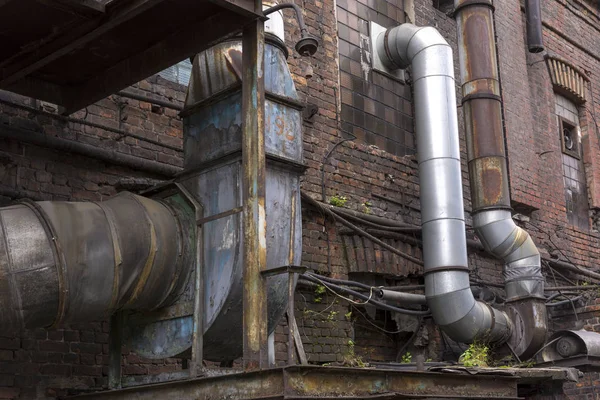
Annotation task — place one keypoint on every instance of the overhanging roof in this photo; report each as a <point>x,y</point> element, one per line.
<point>76,52</point>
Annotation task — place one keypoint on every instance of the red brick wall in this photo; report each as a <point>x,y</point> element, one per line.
<point>534,147</point>
<point>49,363</point>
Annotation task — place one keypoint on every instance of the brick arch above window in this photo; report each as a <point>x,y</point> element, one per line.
<point>567,79</point>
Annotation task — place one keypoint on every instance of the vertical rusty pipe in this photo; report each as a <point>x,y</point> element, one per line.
<point>482,106</point>
<point>533,20</point>
<point>488,173</point>
<point>253,181</point>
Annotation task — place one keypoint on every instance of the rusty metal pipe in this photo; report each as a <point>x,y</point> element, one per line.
<point>82,261</point>
<point>446,270</point>
<point>533,21</point>
<point>488,173</point>
<point>307,45</point>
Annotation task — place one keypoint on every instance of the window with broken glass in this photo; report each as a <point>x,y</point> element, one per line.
<point>576,196</point>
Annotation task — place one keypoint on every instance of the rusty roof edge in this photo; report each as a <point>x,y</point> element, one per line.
<point>524,375</point>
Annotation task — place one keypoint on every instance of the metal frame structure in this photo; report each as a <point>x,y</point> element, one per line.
<point>77,56</point>
<point>254,231</point>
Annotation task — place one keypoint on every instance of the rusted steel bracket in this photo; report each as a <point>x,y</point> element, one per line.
<point>115,344</point>
<point>294,339</point>
<point>291,269</point>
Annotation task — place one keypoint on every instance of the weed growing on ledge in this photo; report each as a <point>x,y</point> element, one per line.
<point>406,358</point>
<point>338,201</point>
<point>475,356</point>
<point>351,359</point>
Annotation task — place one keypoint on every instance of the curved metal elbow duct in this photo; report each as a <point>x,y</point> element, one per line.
<point>488,173</point>
<point>446,269</point>
<point>80,261</point>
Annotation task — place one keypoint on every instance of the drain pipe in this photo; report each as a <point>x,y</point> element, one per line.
<point>446,271</point>
<point>490,197</point>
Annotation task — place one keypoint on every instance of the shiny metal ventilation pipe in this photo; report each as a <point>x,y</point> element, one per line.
<point>488,173</point>
<point>81,261</point>
<point>447,287</point>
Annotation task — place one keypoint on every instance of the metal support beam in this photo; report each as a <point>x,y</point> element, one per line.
<point>115,343</point>
<point>254,219</point>
<point>198,334</point>
<point>315,382</point>
<point>189,40</point>
<point>59,48</point>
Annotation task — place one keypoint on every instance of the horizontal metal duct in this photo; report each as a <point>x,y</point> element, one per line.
<point>81,261</point>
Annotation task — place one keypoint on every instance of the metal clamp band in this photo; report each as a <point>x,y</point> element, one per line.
<point>476,96</point>
<point>63,284</point>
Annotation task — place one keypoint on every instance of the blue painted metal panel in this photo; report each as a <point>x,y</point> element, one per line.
<point>212,143</point>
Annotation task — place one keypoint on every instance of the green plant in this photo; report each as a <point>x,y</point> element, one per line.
<point>475,356</point>
<point>366,207</point>
<point>348,315</point>
<point>319,292</point>
<point>406,358</point>
<point>338,201</point>
<point>331,315</point>
<point>351,359</point>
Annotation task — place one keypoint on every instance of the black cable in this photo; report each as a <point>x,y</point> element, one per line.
<point>368,299</point>
<point>569,300</point>
<point>563,294</point>
<point>65,118</point>
<point>403,229</point>
<point>358,230</point>
<point>352,137</point>
<point>342,282</point>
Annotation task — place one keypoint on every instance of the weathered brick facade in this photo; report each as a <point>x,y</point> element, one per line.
<point>376,172</point>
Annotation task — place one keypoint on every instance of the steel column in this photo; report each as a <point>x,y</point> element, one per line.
<point>115,345</point>
<point>253,181</point>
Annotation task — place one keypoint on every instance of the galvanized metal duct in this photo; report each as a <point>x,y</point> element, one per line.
<point>446,270</point>
<point>81,261</point>
<point>482,107</point>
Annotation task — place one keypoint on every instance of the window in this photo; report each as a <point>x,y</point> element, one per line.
<point>445,6</point>
<point>569,135</point>
<point>576,196</point>
<point>178,73</point>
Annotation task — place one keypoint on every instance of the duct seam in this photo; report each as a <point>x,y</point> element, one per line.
<point>63,283</point>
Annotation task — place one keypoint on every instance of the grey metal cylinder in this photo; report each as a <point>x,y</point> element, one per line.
<point>447,287</point>
<point>82,261</point>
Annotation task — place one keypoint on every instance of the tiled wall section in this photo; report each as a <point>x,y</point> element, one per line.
<point>375,108</point>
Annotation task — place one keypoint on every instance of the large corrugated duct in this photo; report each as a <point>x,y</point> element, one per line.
<point>81,261</point>
<point>446,269</point>
<point>488,172</point>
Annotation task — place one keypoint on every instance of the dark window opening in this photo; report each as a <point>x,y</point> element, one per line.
<point>569,138</point>
<point>445,6</point>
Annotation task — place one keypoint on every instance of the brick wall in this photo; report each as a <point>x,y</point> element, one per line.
<point>375,107</point>
<point>570,33</point>
<point>49,363</point>
<point>43,363</point>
